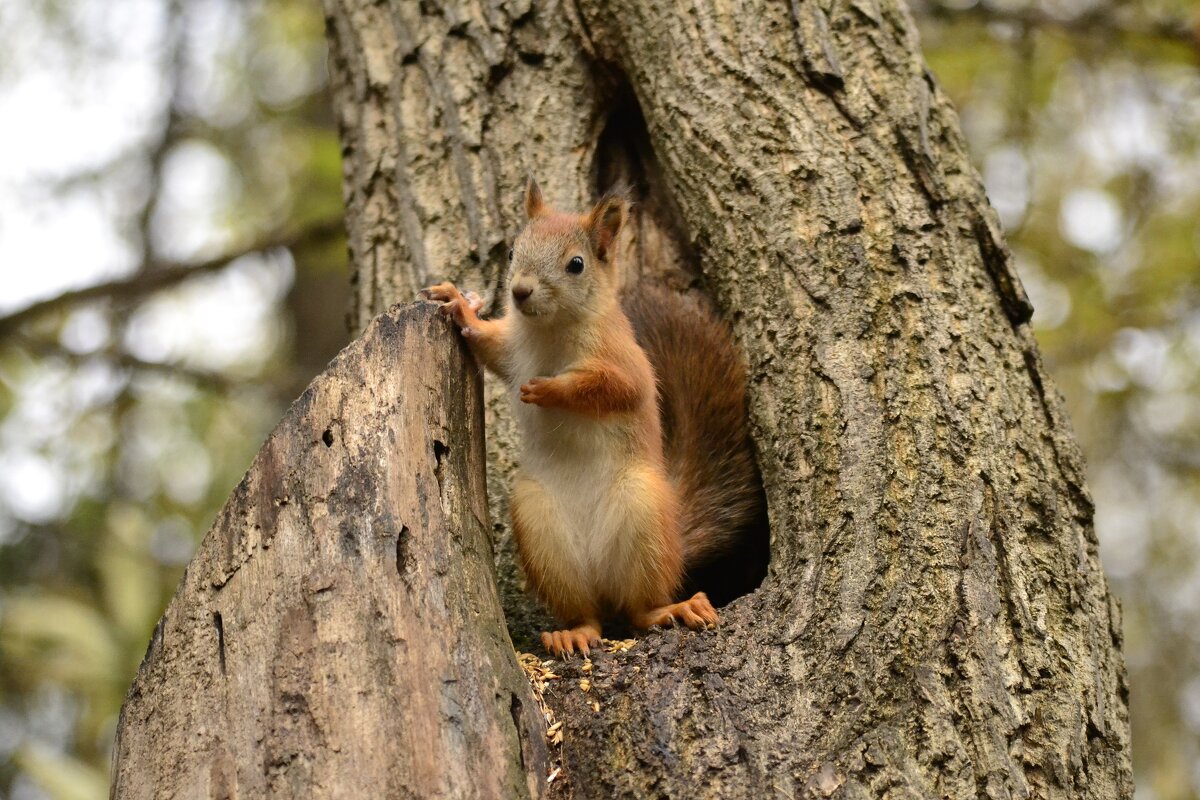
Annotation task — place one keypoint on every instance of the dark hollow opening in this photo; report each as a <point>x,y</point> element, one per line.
<point>663,256</point>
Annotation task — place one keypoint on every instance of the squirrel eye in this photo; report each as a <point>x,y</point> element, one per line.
<point>510,254</point>
<point>575,265</point>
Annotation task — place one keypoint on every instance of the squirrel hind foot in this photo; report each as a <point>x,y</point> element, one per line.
<point>697,613</point>
<point>565,642</point>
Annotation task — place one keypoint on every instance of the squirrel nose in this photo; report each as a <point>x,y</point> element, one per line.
<point>521,293</point>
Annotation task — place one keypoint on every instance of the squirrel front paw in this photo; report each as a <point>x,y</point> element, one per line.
<point>458,310</point>
<point>443,292</point>
<point>537,391</point>
<point>474,301</point>
<point>462,307</point>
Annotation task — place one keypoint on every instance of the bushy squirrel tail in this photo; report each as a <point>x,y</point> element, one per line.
<point>706,440</point>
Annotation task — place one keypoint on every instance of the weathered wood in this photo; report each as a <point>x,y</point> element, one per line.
<point>339,633</point>
<point>936,622</point>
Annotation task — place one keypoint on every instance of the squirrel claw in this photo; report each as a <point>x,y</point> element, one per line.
<point>697,613</point>
<point>563,644</point>
<point>456,310</point>
<point>443,292</point>
<point>474,301</point>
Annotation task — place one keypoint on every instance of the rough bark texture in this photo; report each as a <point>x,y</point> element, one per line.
<point>935,622</point>
<point>339,634</point>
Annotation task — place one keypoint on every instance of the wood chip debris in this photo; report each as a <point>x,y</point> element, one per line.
<point>540,673</point>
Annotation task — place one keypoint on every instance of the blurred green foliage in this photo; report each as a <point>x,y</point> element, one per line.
<point>124,423</point>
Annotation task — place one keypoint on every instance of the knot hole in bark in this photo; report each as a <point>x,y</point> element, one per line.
<point>405,560</point>
<point>440,451</point>
<point>219,625</point>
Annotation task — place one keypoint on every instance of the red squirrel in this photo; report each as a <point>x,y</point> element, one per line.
<point>635,461</point>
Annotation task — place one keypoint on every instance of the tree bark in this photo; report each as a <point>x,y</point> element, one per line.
<point>339,634</point>
<point>935,622</point>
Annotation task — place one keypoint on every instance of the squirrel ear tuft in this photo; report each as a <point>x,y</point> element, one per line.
<point>535,206</point>
<point>604,222</point>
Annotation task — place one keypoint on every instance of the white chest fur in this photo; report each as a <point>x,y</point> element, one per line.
<point>579,462</point>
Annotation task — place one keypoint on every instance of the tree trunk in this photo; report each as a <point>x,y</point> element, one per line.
<point>339,634</point>
<point>935,622</point>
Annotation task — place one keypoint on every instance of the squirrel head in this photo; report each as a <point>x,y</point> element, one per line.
<point>561,265</point>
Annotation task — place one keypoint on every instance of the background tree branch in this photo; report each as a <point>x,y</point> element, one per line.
<point>154,277</point>
<point>1108,21</point>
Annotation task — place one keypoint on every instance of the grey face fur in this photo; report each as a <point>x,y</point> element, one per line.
<point>542,289</point>
<point>541,255</point>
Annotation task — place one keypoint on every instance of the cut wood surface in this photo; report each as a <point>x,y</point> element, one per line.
<point>339,633</point>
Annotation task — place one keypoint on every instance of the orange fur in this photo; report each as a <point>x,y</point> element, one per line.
<point>596,515</point>
<point>486,338</point>
<point>604,222</point>
<point>592,388</point>
<point>662,560</point>
<point>706,438</point>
